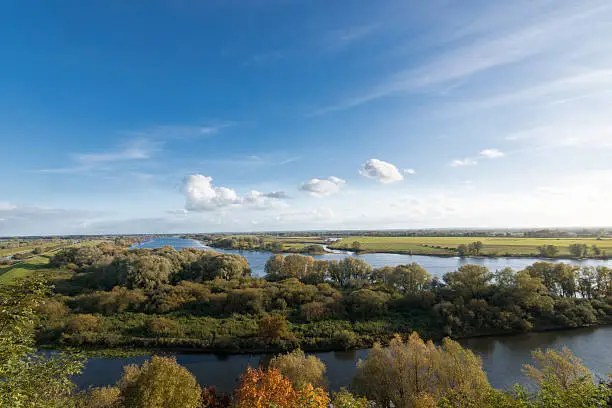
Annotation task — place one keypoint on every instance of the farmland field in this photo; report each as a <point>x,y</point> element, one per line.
<point>492,246</point>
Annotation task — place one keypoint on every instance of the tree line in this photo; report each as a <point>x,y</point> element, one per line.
<point>408,373</point>
<point>108,296</point>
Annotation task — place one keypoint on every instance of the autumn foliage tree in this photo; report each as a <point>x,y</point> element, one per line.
<point>418,374</point>
<point>269,388</point>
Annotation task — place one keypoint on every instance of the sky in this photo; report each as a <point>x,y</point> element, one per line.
<point>169,116</point>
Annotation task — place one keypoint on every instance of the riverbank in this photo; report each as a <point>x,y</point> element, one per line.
<point>148,346</point>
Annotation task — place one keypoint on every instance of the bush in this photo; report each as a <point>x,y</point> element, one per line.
<point>82,323</point>
<point>345,339</point>
<point>163,327</point>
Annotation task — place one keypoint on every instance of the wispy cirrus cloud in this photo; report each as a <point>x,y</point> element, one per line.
<point>490,154</point>
<point>544,36</point>
<point>138,149</point>
<point>166,132</point>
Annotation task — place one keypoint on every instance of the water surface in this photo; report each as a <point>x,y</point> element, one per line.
<point>436,266</point>
<point>502,358</point>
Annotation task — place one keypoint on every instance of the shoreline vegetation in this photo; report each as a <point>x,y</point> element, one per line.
<point>478,247</point>
<point>109,297</point>
<point>409,372</point>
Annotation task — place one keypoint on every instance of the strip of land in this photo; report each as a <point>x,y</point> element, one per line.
<point>491,246</point>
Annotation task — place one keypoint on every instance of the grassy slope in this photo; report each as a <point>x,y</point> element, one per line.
<point>30,265</point>
<point>492,246</point>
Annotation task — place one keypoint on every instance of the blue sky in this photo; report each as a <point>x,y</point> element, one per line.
<point>178,116</point>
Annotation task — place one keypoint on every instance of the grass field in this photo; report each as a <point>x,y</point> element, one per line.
<point>35,263</point>
<point>23,269</point>
<point>491,246</point>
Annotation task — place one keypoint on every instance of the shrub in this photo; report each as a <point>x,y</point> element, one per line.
<point>345,339</point>
<point>162,327</point>
<point>83,323</point>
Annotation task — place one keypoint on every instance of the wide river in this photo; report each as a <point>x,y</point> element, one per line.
<point>435,265</point>
<point>502,357</point>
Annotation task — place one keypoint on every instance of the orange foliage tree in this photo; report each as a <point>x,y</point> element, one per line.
<point>269,388</point>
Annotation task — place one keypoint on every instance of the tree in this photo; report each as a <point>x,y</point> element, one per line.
<point>273,327</point>
<point>477,247</point>
<point>411,373</point>
<point>274,267</point>
<point>159,383</point>
<point>300,370</point>
<point>356,246</point>
<point>462,250</point>
<point>564,382</point>
<point>603,279</point>
<point>366,303</point>
<point>345,399</point>
<point>469,280</point>
<point>29,379</point>
<point>264,389</point>
<point>410,279</point>
<point>270,389</point>
<point>578,250</point>
<point>148,272</point>
<point>103,397</point>
<point>350,271</point>
<point>548,251</point>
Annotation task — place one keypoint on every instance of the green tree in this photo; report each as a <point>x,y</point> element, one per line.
<point>563,382</point>
<point>159,383</point>
<point>548,251</point>
<point>578,250</point>
<point>469,280</point>
<point>29,379</point>
<point>345,399</point>
<point>462,250</point>
<point>273,327</point>
<point>410,279</point>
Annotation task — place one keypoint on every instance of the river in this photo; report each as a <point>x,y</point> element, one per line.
<point>435,265</point>
<point>502,358</point>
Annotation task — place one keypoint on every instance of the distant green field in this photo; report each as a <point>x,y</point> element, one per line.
<point>23,269</point>
<point>447,245</point>
<point>35,263</point>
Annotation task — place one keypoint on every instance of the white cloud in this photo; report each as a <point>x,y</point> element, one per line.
<point>464,162</point>
<point>491,153</point>
<point>322,187</point>
<point>201,195</point>
<point>380,170</point>
<point>263,201</point>
<point>410,171</point>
